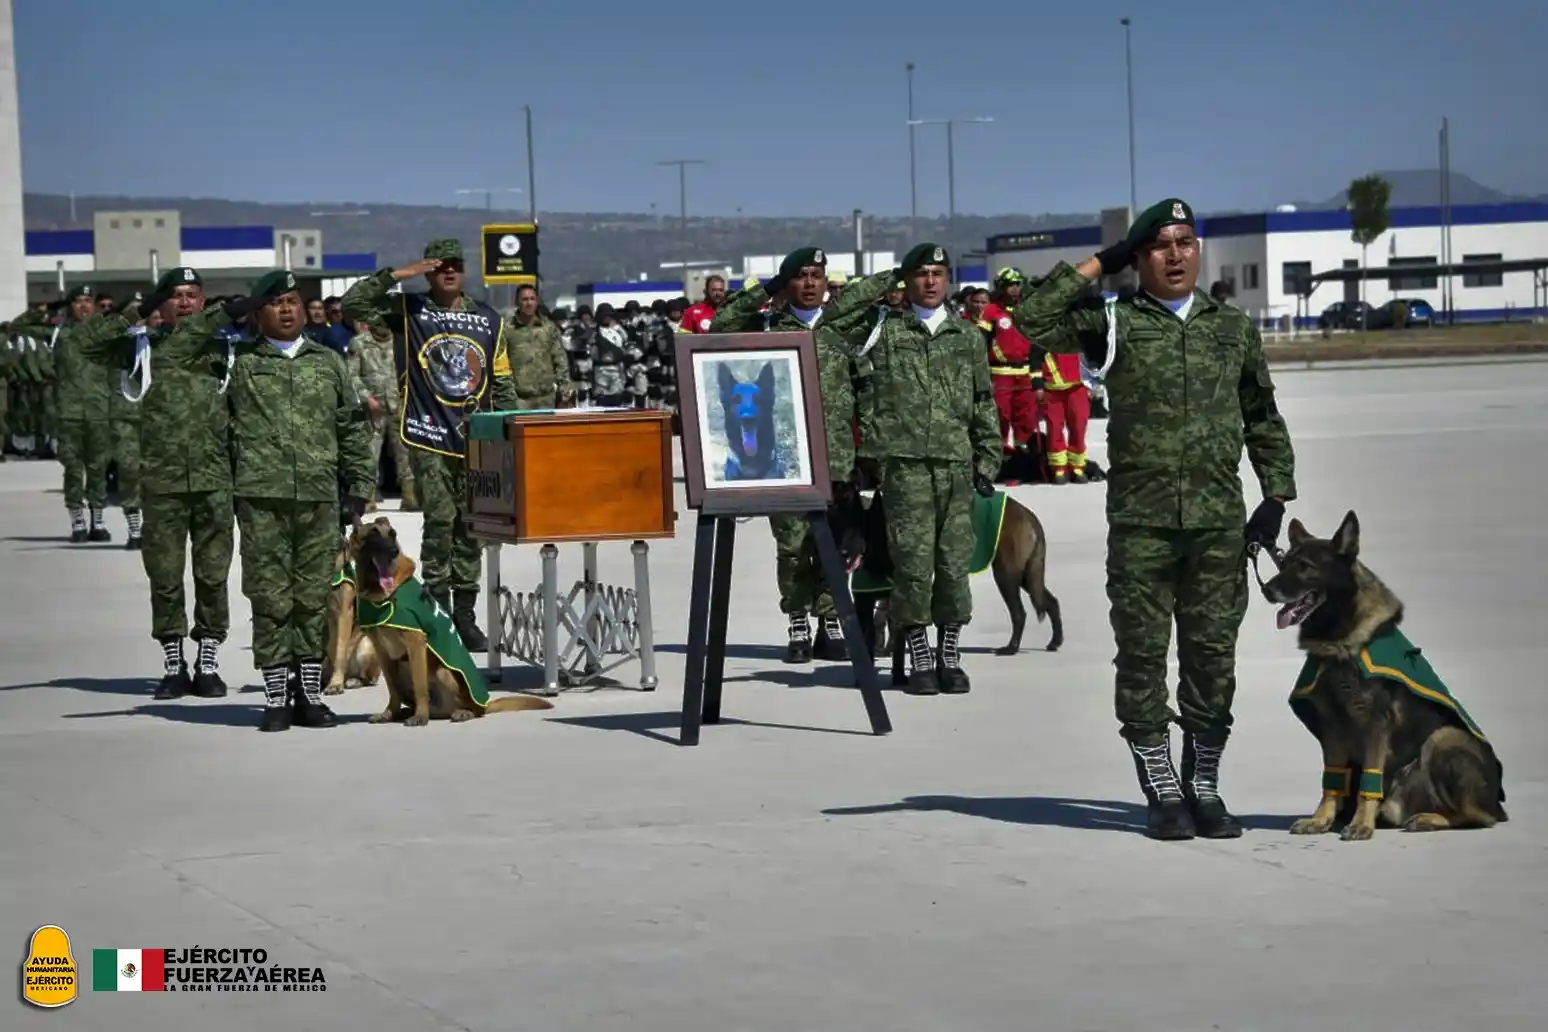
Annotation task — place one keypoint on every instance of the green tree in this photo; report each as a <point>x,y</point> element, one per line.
<point>1368,200</point>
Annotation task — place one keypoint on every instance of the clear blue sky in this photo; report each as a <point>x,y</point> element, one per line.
<point>798,108</point>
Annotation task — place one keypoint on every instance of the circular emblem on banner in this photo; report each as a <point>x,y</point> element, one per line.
<point>454,367</point>
<point>1005,322</point>
<point>510,245</point>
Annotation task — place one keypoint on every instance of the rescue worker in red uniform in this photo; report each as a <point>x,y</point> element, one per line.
<point>698,317</point>
<point>1010,365</point>
<point>1067,404</point>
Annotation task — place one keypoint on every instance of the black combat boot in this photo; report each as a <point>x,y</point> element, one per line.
<point>921,662</point>
<point>953,679</point>
<point>466,622</point>
<point>830,640</point>
<point>276,703</point>
<point>207,682</point>
<point>798,649</point>
<point>1167,816</point>
<point>78,535</point>
<point>174,683</point>
<point>308,708</point>
<point>99,531</point>
<point>1201,785</point>
<point>135,523</point>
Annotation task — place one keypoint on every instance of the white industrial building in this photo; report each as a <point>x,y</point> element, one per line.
<point>1266,255</point>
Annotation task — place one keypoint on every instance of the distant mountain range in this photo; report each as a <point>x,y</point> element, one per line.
<point>613,246</point>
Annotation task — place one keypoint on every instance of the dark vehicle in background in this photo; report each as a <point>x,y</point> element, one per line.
<point>1345,315</point>
<point>1401,313</point>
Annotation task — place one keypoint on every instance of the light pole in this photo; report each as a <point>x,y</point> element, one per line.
<point>531,170</point>
<point>682,197</point>
<point>951,160</point>
<point>913,168</point>
<point>1128,67</point>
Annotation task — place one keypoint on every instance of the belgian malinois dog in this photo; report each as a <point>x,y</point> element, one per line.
<point>351,661</point>
<point>1373,703</point>
<point>1019,560</point>
<point>420,685</point>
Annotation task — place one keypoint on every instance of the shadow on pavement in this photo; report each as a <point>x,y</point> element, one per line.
<point>732,651</point>
<point>197,711</point>
<point>103,685</point>
<point>1082,814</point>
<point>650,725</point>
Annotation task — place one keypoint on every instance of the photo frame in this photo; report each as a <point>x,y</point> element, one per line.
<point>753,437</point>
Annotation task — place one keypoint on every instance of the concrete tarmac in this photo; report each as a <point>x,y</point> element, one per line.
<point>981,868</point>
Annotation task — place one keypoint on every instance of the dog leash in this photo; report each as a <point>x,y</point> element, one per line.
<point>1274,554</point>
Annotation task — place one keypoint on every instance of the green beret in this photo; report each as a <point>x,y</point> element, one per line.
<point>925,254</point>
<point>1170,212</point>
<point>178,277</point>
<point>446,249</point>
<point>275,284</point>
<point>799,259</point>
<point>81,291</point>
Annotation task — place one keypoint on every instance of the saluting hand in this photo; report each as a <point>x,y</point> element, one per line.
<point>423,267</point>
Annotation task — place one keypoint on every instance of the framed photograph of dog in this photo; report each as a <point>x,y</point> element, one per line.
<point>752,425</point>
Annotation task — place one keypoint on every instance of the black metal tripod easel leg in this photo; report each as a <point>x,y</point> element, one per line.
<point>720,605</point>
<point>698,630</point>
<point>859,654</point>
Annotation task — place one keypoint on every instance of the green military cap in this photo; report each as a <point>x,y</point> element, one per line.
<point>446,249</point>
<point>900,285</point>
<point>81,291</point>
<point>1010,274</point>
<point>1150,222</point>
<point>178,277</point>
<point>275,283</point>
<point>799,259</point>
<point>924,254</point>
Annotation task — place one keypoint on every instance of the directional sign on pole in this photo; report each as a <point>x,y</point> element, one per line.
<point>511,253</point>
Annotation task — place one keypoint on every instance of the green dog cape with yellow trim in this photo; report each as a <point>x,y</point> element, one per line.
<point>988,520</point>
<point>1392,656</point>
<point>411,608</point>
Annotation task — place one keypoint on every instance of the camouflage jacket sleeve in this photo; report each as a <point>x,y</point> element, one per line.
<point>561,362</point>
<point>1056,316</point>
<point>192,339</point>
<point>742,312</point>
<point>369,301</point>
<point>852,315</point>
<point>354,364</point>
<point>108,343</point>
<point>1264,430</point>
<point>31,324</point>
<point>984,428</point>
<point>354,435</point>
<point>835,375</point>
<point>502,387</point>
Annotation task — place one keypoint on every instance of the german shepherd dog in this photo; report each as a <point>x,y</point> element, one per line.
<point>748,410</point>
<point>861,528</point>
<point>419,685</point>
<point>351,661</point>
<point>1436,774</point>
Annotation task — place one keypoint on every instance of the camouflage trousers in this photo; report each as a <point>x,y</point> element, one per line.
<point>5,413</point>
<point>288,553</point>
<point>126,453</point>
<point>173,522</point>
<point>1196,579</point>
<point>449,560</point>
<point>798,570</point>
<point>930,535</point>
<point>384,428</point>
<point>85,448</point>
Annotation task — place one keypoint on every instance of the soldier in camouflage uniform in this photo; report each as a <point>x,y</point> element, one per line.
<point>298,429</point>
<point>607,344</point>
<point>449,558</point>
<point>374,371</point>
<point>1188,386</point>
<point>9,358</point>
<point>927,417</point>
<point>796,293</point>
<point>186,469</point>
<point>83,392</point>
<point>539,364</point>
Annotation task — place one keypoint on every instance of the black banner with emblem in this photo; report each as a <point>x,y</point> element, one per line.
<point>446,362</point>
<point>511,254</point>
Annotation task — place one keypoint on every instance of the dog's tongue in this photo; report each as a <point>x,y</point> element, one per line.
<point>1286,616</point>
<point>750,442</point>
<point>387,583</point>
<point>854,564</point>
